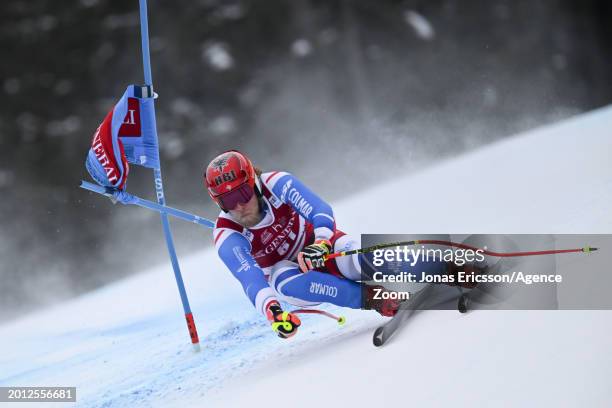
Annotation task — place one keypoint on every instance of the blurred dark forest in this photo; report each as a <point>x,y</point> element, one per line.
<point>330,90</point>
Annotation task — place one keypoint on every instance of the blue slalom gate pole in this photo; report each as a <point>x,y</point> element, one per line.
<point>159,189</point>
<point>127,198</point>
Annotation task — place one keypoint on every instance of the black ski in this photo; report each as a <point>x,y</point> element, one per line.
<point>384,332</point>
<point>464,304</point>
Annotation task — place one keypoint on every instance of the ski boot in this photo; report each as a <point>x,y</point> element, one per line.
<point>374,299</point>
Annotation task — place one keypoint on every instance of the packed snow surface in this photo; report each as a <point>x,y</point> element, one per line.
<point>126,344</point>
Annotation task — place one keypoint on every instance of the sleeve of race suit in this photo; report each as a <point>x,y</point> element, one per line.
<point>293,192</point>
<point>235,252</point>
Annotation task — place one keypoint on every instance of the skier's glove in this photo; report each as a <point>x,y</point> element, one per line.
<point>285,324</point>
<point>313,256</point>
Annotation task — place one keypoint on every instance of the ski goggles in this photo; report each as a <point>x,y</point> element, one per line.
<point>240,195</point>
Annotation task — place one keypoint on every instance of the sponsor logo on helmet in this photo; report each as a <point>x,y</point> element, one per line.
<point>220,163</point>
<point>225,177</point>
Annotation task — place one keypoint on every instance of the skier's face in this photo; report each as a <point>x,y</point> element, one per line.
<point>247,214</point>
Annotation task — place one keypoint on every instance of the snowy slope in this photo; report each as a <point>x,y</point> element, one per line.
<point>126,344</point>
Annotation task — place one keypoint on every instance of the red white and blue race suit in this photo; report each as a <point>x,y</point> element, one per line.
<point>263,257</point>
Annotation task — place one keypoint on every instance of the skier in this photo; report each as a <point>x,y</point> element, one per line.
<point>273,234</point>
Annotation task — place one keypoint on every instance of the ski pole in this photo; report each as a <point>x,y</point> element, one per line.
<point>373,248</point>
<point>340,319</point>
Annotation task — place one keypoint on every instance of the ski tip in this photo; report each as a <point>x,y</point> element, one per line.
<point>341,320</point>
<point>378,337</point>
<point>589,249</point>
<point>196,347</point>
